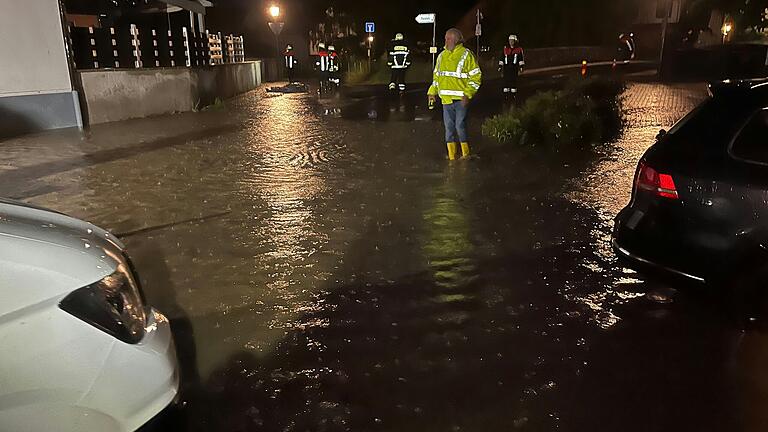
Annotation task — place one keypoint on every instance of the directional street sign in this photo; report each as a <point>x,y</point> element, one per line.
<point>370,27</point>
<point>425,18</point>
<point>430,18</point>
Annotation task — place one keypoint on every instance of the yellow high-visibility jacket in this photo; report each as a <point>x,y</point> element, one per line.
<point>457,74</point>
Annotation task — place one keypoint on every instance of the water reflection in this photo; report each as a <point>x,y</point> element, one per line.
<point>448,247</point>
<point>607,185</point>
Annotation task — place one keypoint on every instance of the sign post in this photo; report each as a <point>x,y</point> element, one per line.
<point>277,28</point>
<point>478,30</point>
<point>370,28</point>
<point>430,18</point>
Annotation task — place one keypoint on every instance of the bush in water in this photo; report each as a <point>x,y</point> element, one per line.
<point>584,113</point>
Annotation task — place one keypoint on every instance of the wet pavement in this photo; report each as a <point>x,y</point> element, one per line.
<point>327,272</point>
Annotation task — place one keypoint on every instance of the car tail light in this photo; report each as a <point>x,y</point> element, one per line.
<point>650,180</point>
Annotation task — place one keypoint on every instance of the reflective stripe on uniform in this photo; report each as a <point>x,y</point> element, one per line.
<point>451,93</point>
<point>459,68</point>
<point>474,72</point>
<point>462,61</point>
<point>474,85</point>
<point>453,74</point>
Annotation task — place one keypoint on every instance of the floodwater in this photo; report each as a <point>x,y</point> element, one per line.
<point>326,269</point>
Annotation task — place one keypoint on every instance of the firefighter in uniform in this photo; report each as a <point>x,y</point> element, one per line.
<point>398,62</point>
<point>456,80</point>
<point>322,67</point>
<point>511,65</point>
<point>333,66</point>
<point>290,62</point>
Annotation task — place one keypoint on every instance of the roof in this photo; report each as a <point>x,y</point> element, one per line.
<point>197,6</point>
<point>756,86</point>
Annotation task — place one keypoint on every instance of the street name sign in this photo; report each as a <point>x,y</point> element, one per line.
<point>425,18</point>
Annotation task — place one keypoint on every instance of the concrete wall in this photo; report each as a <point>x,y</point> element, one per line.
<point>35,85</point>
<point>556,56</point>
<point>32,48</point>
<point>113,95</point>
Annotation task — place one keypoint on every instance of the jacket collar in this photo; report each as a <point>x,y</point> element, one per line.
<point>456,48</point>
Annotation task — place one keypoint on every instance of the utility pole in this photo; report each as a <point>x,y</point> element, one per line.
<point>433,48</point>
<point>478,30</point>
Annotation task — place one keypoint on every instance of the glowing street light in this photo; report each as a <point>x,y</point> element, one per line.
<point>276,26</point>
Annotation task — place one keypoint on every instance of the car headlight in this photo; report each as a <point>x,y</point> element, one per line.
<point>113,305</point>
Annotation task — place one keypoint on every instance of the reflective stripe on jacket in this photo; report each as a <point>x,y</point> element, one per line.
<point>457,74</point>
<point>398,56</point>
<point>290,61</point>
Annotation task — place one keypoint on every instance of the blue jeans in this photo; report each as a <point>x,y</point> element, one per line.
<point>455,119</point>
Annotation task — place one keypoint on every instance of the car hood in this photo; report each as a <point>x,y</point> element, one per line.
<point>44,255</point>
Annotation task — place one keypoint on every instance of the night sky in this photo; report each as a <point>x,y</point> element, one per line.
<point>540,23</point>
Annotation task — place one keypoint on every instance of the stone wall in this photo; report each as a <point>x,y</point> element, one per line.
<point>113,95</point>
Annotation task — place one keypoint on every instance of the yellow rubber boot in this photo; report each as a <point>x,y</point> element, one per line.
<point>453,148</point>
<point>465,149</point>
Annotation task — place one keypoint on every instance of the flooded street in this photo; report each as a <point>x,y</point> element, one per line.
<point>327,272</point>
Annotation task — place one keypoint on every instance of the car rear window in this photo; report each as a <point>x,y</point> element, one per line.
<point>714,121</point>
<point>751,144</point>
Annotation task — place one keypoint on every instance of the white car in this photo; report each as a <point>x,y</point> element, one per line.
<point>79,349</point>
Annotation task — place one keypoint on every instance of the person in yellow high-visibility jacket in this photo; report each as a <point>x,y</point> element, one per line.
<point>456,80</point>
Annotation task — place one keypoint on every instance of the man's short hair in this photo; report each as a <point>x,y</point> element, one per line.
<point>456,32</point>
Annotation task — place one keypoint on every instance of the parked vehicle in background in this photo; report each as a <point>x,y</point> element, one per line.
<point>81,351</point>
<point>699,207</point>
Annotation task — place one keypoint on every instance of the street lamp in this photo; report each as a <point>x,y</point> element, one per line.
<point>276,26</point>
<point>370,45</point>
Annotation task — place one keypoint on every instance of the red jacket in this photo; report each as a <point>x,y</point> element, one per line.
<point>512,57</point>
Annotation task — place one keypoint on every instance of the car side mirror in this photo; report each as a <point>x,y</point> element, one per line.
<point>662,133</point>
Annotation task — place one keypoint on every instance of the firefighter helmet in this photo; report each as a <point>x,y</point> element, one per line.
<point>331,48</point>
<point>399,36</point>
<point>288,47</point>
<point>321,45</point>
<point>513,37</point>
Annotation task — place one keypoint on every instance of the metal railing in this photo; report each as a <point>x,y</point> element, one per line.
<point>136,47</point>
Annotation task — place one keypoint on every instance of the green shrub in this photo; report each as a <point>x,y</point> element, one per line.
<point>356,76</point>
<point>503,128</point>
<point>585,112</point>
